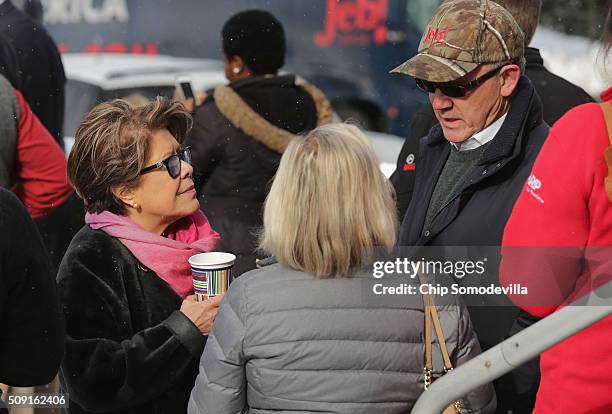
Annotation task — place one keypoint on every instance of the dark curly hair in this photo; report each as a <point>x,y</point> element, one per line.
<point>258,38</point>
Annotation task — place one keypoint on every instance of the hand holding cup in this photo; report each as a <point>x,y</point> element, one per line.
<point>202,314</point>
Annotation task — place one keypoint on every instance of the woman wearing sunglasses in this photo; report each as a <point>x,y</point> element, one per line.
<point>134,332</point>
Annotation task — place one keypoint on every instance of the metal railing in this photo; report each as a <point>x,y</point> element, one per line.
<point>515,351</point>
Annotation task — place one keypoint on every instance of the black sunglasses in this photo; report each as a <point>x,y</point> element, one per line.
<point>454,90</point>
<point>172,163</point>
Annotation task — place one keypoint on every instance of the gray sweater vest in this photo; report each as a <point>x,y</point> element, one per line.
<point>456,170</point>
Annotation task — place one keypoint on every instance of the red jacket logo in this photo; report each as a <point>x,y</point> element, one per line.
<point>354,22</point>
<point>439,36</point>
<point>410,165</point>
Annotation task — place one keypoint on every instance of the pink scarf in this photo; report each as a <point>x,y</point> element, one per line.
<point>166,256</point>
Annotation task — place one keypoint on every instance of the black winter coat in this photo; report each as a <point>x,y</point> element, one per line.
<point>42,78</point>
<point>557,95</point>
<point>237,140</point>
<point>9,63</point>
<point>32,334</point>
<point>477,215</point>
<point>128,347</point>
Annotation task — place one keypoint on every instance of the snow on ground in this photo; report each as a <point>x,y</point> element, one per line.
<point>574,58</point>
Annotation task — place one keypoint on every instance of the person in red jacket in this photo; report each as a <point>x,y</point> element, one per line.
<point>32,164</point>
<point>564,209</point>
<point>41,178</point>
<point>34,167</point>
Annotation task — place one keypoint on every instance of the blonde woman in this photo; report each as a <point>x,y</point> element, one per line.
<point>297,336</point>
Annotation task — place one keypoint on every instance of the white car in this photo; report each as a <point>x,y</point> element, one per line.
<point>95,78</point>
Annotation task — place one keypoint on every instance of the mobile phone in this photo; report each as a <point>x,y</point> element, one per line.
<point>183,86</point>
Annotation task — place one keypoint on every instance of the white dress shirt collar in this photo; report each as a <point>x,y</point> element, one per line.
<point>482,137</point>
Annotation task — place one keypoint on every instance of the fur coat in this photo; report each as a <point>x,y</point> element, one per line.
<point>128,347</point>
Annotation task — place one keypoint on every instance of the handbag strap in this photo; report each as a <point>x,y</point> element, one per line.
<point>431,316</point>
<point>448,366</point>
<point>606,108</point>
<point>428,350</point>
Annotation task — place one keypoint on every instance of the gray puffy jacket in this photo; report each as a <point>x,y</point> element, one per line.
<point>284,341</point>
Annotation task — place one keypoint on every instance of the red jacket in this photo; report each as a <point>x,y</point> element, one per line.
<point>564,206</point>
<point>42,182</point>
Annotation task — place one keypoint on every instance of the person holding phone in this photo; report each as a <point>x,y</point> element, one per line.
<point>184,89</point>
<point>242,129</point>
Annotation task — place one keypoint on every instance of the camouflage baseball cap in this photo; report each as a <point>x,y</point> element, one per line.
<point>461,35</point>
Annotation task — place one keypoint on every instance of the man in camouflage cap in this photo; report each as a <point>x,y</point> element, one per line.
<point>463,40</point>
<point>472,166</point>
<point>461,36</point>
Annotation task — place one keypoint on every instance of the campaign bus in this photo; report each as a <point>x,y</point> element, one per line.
<point>346,47</point>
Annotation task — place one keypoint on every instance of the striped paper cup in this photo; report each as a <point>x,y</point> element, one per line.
<point>211,273</point>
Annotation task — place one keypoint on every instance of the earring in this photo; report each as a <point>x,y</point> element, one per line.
<point>236,70</point>
<point>136,206</point>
